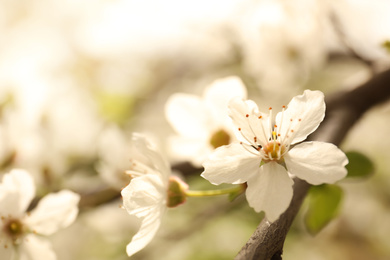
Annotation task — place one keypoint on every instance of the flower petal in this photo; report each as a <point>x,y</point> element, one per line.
<point>309,108</point>
<point>317,162</point>
<point>53,212</point>
<point>230,164</point>
<point>143,195</point>
<point>6,252</point>
<point>154,157</point>
<point>36,248</point>
<point>194,150</point>
<point>250,122</point>
<point>270,190</point>
<point>188,115</point>
<point>219,93</point>
<point>16,192</point>
<point>145,234</point>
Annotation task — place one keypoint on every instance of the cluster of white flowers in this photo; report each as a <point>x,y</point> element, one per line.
<point>266,154</point>
<point>53,131</point>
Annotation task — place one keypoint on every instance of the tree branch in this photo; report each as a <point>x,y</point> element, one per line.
<point>343,111</point>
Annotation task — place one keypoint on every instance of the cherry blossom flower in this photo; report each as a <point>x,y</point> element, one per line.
<point>202,123</point>
<point>270,152</point>
<point>20,232</point>
<point>151,190</point>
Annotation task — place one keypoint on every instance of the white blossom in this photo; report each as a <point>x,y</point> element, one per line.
<point>270,152</point>
<point>151,190</point>
<point>20,231</point>
<point>202,123</point>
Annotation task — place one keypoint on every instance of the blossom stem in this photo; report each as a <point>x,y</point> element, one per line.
<point>203,193</point>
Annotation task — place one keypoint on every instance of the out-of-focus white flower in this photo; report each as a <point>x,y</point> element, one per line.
<point>114,150</point>
<point>202,122</point>
<point>366,38</point>
<point>264,159</point>
<point>150,192</point>
<point>20,232</point>
<point>282,41</point>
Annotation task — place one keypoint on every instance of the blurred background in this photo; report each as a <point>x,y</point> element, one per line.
<point>78,77</point>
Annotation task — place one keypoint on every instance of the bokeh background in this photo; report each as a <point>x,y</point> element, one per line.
<point>78,77</point>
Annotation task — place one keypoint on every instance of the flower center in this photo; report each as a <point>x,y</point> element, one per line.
<point>13,228</point>
<point>272,146</point>
<point>273,151</point>
<point>219,138</point>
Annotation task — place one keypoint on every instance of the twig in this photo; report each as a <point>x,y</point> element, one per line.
<point>343,111</point>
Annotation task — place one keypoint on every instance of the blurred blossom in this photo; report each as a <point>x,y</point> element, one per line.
<point>282,41</point>
<point>365,25</point>
<point>111,27</point>
<point>21,231</point>
<point>202,123</point>
<point>115,152</point>
<point>66,124</point>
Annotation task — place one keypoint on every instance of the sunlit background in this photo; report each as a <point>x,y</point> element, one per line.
<point>78,77</point>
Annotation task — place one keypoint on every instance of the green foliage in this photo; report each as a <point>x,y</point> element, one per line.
<point>114,107</point>
<point>324,202</point>
<point>359,165</point>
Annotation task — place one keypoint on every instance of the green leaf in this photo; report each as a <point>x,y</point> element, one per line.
<point>359,165</point>
<point>324,202</point>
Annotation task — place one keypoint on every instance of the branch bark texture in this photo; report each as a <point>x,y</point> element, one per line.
<point>344,109</point>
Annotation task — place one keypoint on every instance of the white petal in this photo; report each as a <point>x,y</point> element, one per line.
<point>250,122</point>
<point>6,253</point>
<point>36,248</point>
<point>230,164</point>
<point>270,190</point>
<point>155,158</point>
<point>147,231</point>
<point>221,91</point>
<point>143,195</point>
<point>191,149</point>
<point>16,192</point>
<point>309,108</point>
<point>188,115</point>
<point>317,162</point>
<point>53,212</point>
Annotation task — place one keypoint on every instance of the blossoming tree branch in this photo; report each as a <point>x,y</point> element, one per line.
<point>265,159</point>
<point>272,160</point>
